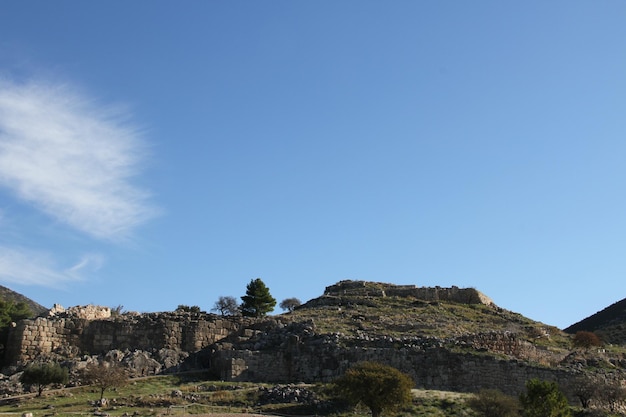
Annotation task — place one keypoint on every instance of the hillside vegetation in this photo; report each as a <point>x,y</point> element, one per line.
<point>406,317</point>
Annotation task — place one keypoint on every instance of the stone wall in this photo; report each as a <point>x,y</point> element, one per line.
<point>377,289</point>
<point>88,312</point>
<point>71,335</point>
<point>434,368</point>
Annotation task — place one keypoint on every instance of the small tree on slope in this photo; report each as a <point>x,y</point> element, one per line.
<point>226,305</point>
<point>105,375</point>
<point>42,375</point>
<point>379,387</point>
<point>544,399</point>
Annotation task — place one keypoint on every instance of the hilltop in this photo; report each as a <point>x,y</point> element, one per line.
<point>377,309</point>
<point>7,294</point>
<point>609,324</point>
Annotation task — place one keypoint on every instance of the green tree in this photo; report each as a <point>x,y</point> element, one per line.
<point>226,305</point>
<point>11,311</point>
<point>379,387</point>
<point>105,375</point>
<point>290,304</point>
<point>544,399</point>
<point>44,374</point>
<point>258,301</point>
<point>493,403</point>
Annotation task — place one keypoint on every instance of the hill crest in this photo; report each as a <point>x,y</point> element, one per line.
<point>607,323</point>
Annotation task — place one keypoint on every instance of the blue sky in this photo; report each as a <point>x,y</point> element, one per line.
<point>157,153</point>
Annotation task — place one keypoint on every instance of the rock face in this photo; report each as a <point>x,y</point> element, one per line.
<point>283,350</point>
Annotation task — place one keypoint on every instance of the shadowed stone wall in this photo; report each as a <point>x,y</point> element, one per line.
<point>437,369</point>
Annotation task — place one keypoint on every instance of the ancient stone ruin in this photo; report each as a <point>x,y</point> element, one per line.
<point>277,349</point>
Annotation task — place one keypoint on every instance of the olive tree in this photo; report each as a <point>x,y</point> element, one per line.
<point>226,306</point>
<point>44,374</point>
<point>105,375</point>
<point>290,304</point>
<point>377,386</point>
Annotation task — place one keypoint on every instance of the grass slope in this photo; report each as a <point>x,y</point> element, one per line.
<point>176,395</point>
<point>405,317</point>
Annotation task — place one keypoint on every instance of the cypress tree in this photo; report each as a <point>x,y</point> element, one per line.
<point>258,301</point>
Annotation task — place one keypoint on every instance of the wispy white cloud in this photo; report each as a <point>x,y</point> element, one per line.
<point>72,159</point>
<point>88,262</point>
<point>28,267</point>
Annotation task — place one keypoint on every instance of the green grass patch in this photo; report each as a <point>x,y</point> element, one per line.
<point>161,395</point>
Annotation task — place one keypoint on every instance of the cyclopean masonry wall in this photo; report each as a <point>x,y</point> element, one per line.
<point>293,352</point>
<point>436,369</point>
<point>79,330</point>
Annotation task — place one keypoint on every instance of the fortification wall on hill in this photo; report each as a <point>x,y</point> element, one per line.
<point>436,369</point>
<point>377,289</point>
<point>294,352</point>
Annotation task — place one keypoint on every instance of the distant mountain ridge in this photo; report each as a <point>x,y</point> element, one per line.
<point>609,324</point>
<point>7,294</point>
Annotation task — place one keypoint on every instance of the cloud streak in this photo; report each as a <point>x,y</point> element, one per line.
<point>27,267</point>
<point>72,159</point>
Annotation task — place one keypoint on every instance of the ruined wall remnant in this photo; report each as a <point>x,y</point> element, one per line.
<point>72,332</point>
<point>377,289</point>
<point>88,312</point>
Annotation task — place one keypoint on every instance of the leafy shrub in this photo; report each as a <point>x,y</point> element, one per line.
<point>493,403</point>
